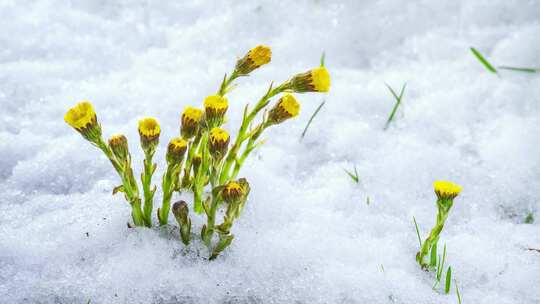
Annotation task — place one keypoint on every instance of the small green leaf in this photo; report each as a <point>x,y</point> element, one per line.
<point>118,189</point>
<point>322,59</point>
<point>529,219</point>
<point>448,280</point>
<point>484,61</point>
<point>433,260</point>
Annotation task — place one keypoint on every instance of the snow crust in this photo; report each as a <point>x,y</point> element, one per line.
<point>307,234</point>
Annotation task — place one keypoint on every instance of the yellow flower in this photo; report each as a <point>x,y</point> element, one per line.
<point>82,118</point>
<point>149,131</point>
<point>256,57</point>
<point>81,115</point>
<point>190,122</point>
<point>232,192</point>
<point>215,107</point>
<point>218,142</point>
<point>287,107</point>
<point>446,190</point>
<point>315,80</point>
<point>176,150</point>
<point>119,147</point>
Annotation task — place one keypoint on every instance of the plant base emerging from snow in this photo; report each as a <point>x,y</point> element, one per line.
<point>200,159</point>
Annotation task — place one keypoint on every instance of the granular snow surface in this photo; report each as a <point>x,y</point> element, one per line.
<point>308,234</point>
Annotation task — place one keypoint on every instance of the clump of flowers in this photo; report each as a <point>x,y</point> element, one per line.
<point>204,159</point>
<point>446,193</point>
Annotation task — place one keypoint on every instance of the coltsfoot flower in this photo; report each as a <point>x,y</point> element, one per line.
<point>218,142</point>
<point>191,119</point>
<point>287,107</point>
<point>446,190</point>
<point>255,58</point>
<point>315,80</point>
<point>82,118</point>
<point>119,147</point>
<point>215,107</point>
<point>149,131</point>
<point>176,150</point>
<point>232,192</point>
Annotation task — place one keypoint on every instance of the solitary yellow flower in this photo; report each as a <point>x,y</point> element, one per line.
<point>256,57</point>
<point>119,146</point>
<point>215,107</point>
<point>149,131</point>
<point>218,142</point>
<point>190,122</point>
<point>82,118</point>
<point>232,192</point>
<point>287,107</point>
<point>176,150</point>
<point>446,190</point>
<point>315,80</point>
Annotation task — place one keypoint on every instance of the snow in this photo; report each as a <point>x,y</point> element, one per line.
<point>307,234</point>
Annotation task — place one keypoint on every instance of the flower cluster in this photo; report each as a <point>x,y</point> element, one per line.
<point>203,159</point>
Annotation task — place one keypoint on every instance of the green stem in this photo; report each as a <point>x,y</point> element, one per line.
<point>170,180</point>
<point>211,221</point>
<point>146,179</point>
<point>129,183</point>
<point>433,236</point>
<point>250,146</point>
<point>187,178</point>
<point>201,174</point>
<point>246,121</point>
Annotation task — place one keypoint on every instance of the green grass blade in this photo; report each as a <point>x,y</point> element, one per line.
<point>520,69</point>
<point>448,282</point>
<point>484,61</point>
<point>417,232</point>
<point>398,99</point>
<point>353,176</point>
<point>443,259</point>
<point>311,118</point>
<point>457,292</point>
<point>439,270</point>
<point>323,57</point>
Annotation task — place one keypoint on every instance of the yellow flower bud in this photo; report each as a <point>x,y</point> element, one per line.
<point>176,150</point>
<point>191,119</point>
<point>196,162</point>
<point>119,147</point>
<point>218,142</point>
<point>232,192</point>
<point>287,107</point>
<point>256,57</point>
<point>215,107</point>
<point>315,80</point>
<point>149,131</point>
<point>446,190</point>
<point>245,186</point>
<point>83,118</point>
